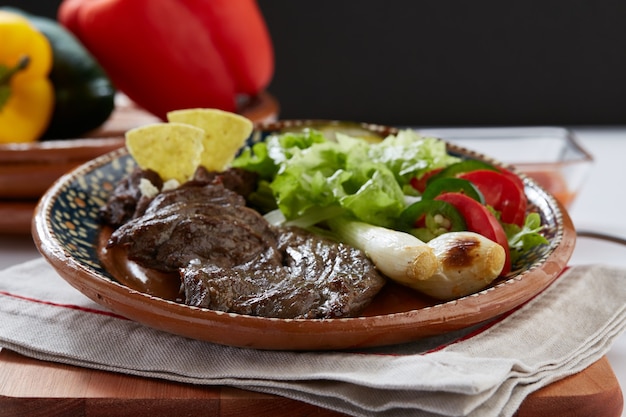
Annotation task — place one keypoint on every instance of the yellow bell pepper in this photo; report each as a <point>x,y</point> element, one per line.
<point>26,93</point>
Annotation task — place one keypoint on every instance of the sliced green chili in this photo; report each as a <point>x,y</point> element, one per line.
<point>452,185</point>
<point>427,219</point>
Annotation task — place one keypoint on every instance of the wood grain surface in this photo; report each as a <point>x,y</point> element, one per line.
<point>32,388</point>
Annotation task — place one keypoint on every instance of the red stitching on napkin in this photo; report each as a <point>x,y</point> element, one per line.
<point>70,306</point>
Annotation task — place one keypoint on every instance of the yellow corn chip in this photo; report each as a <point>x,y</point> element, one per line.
<point>224,134</point>
<point>173,150</point>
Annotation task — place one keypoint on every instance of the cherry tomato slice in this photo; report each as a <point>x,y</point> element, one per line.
<point>480,220</point>
<point>501,193</point>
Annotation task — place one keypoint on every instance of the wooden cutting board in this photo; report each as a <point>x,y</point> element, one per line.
<point>32,388</point>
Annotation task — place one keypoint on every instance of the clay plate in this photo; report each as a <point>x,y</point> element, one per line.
<point>66,231</point>
<point>27,170</point>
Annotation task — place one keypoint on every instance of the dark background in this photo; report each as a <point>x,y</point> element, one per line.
<point>446,62</point>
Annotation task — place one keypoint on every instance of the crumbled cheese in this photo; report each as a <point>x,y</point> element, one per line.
<point>170,185</point>
<point>147,188</point>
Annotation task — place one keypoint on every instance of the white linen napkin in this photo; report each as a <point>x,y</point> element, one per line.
<point>487,370</point>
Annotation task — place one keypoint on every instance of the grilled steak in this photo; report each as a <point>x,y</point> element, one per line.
<point>209,223</point>
<point>304,276</point>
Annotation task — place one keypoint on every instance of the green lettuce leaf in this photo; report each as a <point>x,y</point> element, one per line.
<point>409,155</point>
<point>265,157</point>
<point>522,239</point>
<point>308,173</point>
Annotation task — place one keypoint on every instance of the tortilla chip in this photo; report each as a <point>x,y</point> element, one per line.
<point>224,134</point>
<point>173,150</point>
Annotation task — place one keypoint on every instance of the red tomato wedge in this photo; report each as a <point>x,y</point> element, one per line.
<point>513,177</point>
<point>420,183</point>
<point>480,220</point>
<point>501,193</point>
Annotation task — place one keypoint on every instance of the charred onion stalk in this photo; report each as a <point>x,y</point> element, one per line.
<point>450,266</point>
<point>400,256</point>
<point>467,263</point>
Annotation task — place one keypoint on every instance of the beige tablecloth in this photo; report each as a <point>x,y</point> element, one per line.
<point>484,371</point>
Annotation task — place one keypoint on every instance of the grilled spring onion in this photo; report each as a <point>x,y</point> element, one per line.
<point>400,256</point>
<point>450,266</point>
<point>467,263</point>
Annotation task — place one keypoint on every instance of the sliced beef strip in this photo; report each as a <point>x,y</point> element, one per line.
<point>126,199</point>
<point>238,180</point>
<point>209,223</point>
<point>127,202</point>
<point>312,277</point>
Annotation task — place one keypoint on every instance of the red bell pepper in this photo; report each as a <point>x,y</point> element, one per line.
<point>175,54</point>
